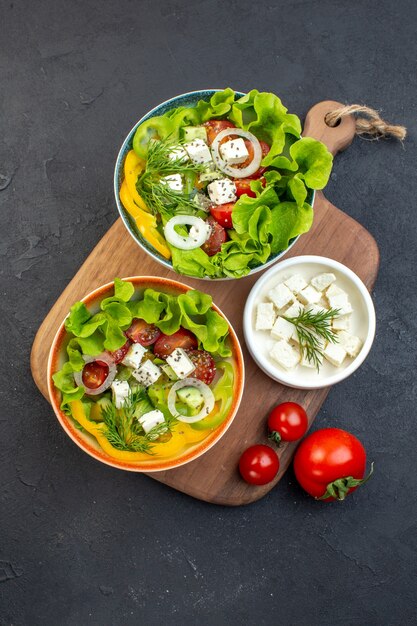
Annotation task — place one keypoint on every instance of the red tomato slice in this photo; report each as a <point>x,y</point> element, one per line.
<point>217,237</point>
<point>119,355</point>
<point>258,465</point>
<point>243,186</point>
<point>166,344</point>
<point>214,127</point>
<point>265,149</point>
<point>205,367</point>
<point>223,214</point>
<point>94,374</point>
<point>142,332</point>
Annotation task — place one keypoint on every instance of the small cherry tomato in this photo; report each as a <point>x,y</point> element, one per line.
<point>141,332</point>
<point>217,237</point>
<point>205,367</point>
<point>259,465</point>
<point>223,214</point>
<point>94,374</point>
<point>214,127</point>
<point>287,422</point>
<point>265,149</point>
<point>119,355</point>
<point>330,463</point>
<point>243,186</point>
<point>166,344</point>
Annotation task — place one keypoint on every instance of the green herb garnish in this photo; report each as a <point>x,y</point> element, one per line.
<point>311,329</point>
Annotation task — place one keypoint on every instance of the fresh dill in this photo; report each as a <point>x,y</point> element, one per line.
<point>313,329</point>
<point>155,192</point>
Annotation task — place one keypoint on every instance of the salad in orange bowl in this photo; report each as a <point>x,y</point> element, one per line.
<point>145,374</point>
<point>218,184</point>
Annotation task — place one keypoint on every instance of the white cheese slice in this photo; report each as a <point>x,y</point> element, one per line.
<point>281,296</point>
<point>265,316</point>
<point>198,151</point>
<point>294,310</point>
<point>285,355</point>
<point>151,419</point>
<point>147,374</point>
<point>341,322</point>
<point>296,283</point>
<point>334,290</point>
<point>322,281</point>
<point>222,191</point>
<point>316,308</point>
<point>309,295</point>
<point>234,151</point>
<point>180,363</point>
<point>120,392</point>
<point>174,181</point>
<point>335,354</point>
<point>282,329</point>
<point>134,355</point>
<point>350,343</point>
<point>340,301</point>
<point>178,154</point>
<point>305,362</point>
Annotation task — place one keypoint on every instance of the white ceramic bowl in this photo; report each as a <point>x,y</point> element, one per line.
<point>362,322</point>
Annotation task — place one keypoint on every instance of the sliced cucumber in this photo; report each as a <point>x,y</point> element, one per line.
<point>191,396</point>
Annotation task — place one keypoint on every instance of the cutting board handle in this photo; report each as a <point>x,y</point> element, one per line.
<point>336,138</point>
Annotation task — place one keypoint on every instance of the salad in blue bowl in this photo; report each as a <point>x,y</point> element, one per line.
<point>219,184</point>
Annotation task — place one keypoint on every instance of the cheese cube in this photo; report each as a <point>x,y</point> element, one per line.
<point>180,363</point>
<point>198,151</point>
<point>341,322</point>
<point>322,281</point>
<point>178,154</point>
<point>222,191</point>
<point>174,181</point>
<point>281,296</point>
<point>120,392</point>
<point>265,316</point>
<point>316,308</point>
<point>321,342</point>
<point>305,362</point>
<point>234,151</point>
<point>334,354</point>
<point>309,295</point>
<point>134,355</point>
<point>340,301</point>
<point>282,329</point>
<point>334,290</point>
<point>294,310</point>
<point>151,419</point>
<point>285,355</point>
<point>147,374</point>
<point>350,343</point>
<point>296,283</point>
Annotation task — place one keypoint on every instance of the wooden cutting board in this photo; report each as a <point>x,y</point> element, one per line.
<point>214,476</point>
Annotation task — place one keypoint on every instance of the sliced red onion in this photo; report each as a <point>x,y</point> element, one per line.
<point>205,391</point>
<point>237,172</point>
<point>104,357</point>
<point>199,232</point>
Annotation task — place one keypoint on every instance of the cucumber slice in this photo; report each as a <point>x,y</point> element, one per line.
<point>191,397</point>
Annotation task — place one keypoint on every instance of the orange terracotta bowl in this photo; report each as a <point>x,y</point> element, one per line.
<point>87,442</point>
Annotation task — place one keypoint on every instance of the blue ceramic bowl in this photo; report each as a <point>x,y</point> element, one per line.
<point>186,99</point>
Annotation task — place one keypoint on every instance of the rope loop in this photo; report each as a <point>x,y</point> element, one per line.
<point>372,124</point>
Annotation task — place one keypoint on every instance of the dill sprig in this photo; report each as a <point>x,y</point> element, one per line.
<point>312,329</point>
<point>159,196</point>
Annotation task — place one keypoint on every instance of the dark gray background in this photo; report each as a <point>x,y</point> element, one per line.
<point>82,543</point>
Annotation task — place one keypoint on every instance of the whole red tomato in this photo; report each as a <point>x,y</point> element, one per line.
<point>259,465</point>
<point>287,422</point>
<point>330,463</point>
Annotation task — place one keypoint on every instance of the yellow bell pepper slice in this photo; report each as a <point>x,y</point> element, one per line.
<point>145,222</point>
<point>190,435</point>
<point>133,167</point>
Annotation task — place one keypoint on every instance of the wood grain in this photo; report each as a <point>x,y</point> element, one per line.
<point>214,477</point>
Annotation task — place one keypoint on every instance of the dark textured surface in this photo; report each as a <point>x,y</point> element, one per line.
<point>84,544</point>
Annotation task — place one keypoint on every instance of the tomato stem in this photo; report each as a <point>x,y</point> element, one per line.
<point>275,437</point>
<point>338,489</point>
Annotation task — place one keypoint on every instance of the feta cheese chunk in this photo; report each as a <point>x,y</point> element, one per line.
<point>285,355</point>
<point>178,154</point>
<point>322,281</point>
<point>198,151</point>
<point>316,308</point>
<point>309,295</point>
<point>296,283</point>
<point>335,354</point>
<point>120,392</point>
<point>222,191</point>
<point>350,343</point>
<point>134,355</point>
<point>334,290</point>
<point>341,322</point>
<point>180,363</point>
<point>174,181</point>
<point>340,301</point>
<point>282,329</point>
<point>234,151</point>
<point>281,295</point>
<point>265,316</point>
<point>305,362</point>
<point>151,419</point>
<point>147,374</point>
<point>294,310</point>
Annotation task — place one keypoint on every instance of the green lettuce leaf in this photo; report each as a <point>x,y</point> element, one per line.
<point>219,105</point>
<point>288,221</point>
<point>64,381</point>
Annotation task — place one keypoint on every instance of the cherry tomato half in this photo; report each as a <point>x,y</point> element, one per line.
<point>205,368</point>
<point>119,355</point>
<point>330,459</point>
<point>217,236</point>
<point>214,127</point>
<point>223,214</point>
<point>166,344</point>
<point>243,186</point>
<point>265,149</point>
<point>287,422</point>
<point>142,332</point>
<point>94,374</point>
<point>259,465</point>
